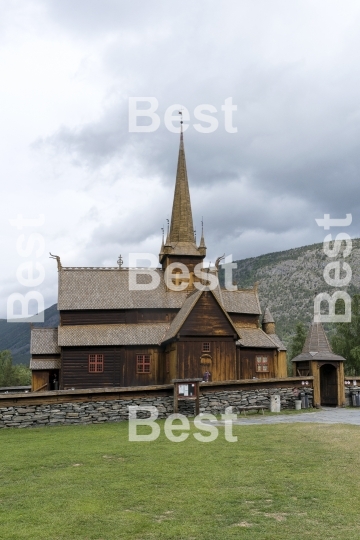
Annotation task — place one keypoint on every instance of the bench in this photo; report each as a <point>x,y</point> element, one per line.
<point>257,408</point>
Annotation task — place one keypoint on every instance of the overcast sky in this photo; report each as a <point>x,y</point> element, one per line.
<point>68,69</point>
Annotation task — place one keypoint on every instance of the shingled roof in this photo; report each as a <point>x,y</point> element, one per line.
<point>268,318</point>
<point>45,363</point>
<point>97,288</point>
<point>110,289</point>
<point>275,338</point>
<point>112,334</point>
<point>316,346</point>
<point>255,337</point>
<point>44,341</point>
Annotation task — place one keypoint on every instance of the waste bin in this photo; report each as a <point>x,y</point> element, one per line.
<point>297,404</point>
<point>302,396</point>
<point>355,398</point>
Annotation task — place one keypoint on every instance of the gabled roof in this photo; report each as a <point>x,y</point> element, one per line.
<point>255,337</point>
<point>186,309</point>
<point>44,341</point>
<point>102,288</point>
<point>316,346</point>
<point>112,334</point>
<point>182,315</point>
<point>96,288</point>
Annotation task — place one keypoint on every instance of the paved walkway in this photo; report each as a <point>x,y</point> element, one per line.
<point>326,415</point>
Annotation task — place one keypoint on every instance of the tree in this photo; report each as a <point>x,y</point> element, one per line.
<point>346,340</point>
<point>297,342</point>
<point>18,375</point>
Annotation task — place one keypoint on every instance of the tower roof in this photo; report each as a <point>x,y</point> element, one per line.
<point>181,238</point>
<point>317,346</point>
<point>181,228</point>
<point>316,340</point>
<point>268,318</point>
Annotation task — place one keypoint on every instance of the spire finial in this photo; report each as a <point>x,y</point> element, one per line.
<point>202,245</point>
<point>162,241</point>
<point>167,242</point>
<point>181,122</point>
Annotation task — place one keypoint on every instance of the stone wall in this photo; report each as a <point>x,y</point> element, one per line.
<point>117,410</point>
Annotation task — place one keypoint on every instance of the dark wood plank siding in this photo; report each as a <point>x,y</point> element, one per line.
<point>120,367</point>
<point>223,359</point>
<point>93,316</point>
<point>207,318</point>
<point>247,321</point>
<point>248,365</point>
<point>116,316</point>
<point>156,315</point>
<point>46,356</point>
<point>132,378</point>
<point>75,367</point>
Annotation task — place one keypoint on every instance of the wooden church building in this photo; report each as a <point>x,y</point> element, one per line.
<point>113,336</point>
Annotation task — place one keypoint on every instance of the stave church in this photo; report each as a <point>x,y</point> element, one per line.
<point>114,335</point>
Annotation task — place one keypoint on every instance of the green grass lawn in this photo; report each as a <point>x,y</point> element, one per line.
<point>283,482</point>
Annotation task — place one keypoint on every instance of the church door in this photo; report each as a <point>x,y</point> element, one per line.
<point>328,385</point>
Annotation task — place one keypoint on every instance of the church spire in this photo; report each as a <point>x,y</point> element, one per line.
<point>180,244</point>
<point>181,228</point>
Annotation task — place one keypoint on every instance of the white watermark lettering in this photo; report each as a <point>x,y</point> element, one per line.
<point>333,272</point>
<point>170,427</point>
<point>204,113</point>
<point>176,275</point>
<point>18,305</point>
<point>153,280</point>
<point>134,422</point>
<point>177,426</point>
<point>212,430</point>
<point>228,418</point>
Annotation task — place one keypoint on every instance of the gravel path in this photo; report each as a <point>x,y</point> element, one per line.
<point>326,415</point>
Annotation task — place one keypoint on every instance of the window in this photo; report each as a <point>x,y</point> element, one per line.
<point>143,363</point>
<point>96,363</point>
<point>206,346</point>
<point>262,363</point>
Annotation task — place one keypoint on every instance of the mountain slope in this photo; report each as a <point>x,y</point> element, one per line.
<point>16,336</point>
<point>290,280</point>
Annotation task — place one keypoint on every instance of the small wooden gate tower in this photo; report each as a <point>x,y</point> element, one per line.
<point>317,359</point>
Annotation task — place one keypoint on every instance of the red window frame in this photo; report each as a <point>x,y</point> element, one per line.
<point>262,364</point>
<point>96,363</point>
<point>206,346</point>
<point>143,363</point>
